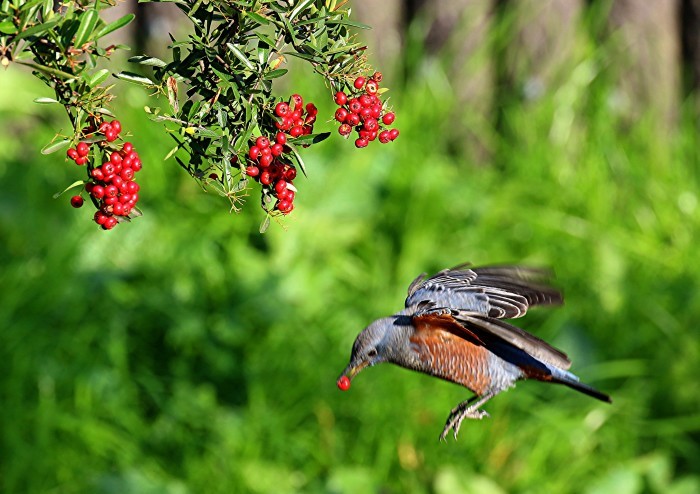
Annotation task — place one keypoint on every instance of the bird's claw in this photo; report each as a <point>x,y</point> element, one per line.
<point>454,421</point>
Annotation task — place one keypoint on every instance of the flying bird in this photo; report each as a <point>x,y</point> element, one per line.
<point>452,328</point>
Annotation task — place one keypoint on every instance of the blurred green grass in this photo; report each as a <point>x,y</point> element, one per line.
<point>187,353</point>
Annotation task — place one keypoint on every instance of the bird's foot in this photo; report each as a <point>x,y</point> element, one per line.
<point>459,413</point>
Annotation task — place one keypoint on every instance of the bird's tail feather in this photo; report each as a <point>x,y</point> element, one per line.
<point>583,388</point>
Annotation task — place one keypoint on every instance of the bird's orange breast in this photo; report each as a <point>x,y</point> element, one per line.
<point>453,358</point>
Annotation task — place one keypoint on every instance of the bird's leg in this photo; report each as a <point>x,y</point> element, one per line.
<point>466,409</point>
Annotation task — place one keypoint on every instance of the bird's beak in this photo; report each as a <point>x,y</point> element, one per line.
<point>354,368</point>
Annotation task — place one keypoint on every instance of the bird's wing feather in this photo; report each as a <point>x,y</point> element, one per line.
<point>502,292</point>
<point>478,324</point>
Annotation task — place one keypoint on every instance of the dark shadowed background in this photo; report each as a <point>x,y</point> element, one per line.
<point>186,353</point>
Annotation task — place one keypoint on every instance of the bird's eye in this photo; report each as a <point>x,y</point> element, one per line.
<point>372,353</point>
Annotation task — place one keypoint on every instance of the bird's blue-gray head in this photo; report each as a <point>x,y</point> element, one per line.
<point>377,343</point>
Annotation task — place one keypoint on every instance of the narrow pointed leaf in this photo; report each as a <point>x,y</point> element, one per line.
<point>240,56</point>
<point>55,146</point>
<point>88,21</point>
<point>71,186</point>
<point>113,26</point>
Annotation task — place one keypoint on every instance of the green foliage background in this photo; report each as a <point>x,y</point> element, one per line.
<point>185,353</point>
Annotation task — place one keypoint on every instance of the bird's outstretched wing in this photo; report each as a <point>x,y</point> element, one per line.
<point>485,331</point>
<point>502,292</point>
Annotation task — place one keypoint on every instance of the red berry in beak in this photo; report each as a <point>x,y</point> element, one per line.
<point>344,383</point>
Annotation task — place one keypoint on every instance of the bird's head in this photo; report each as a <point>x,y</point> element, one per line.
<point>372,346</point>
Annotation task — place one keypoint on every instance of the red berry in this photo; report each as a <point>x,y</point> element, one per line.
<point>388,118</point>
<point>393,134</point>
<point>285,206</point>
<point>371,124</point>
<point>341,114</point>
<point>128,174</point>
<point>265,178</point>
<point>353,119</point>
<point>110,223</point>
<point>281,138</point>
<point>384,136</point>
<point>100,217</point>
<point>277,149</point>
<point>266,160</point>
<point>115,158</point>
<point>254,152</point>
<point>365,114</point>
<point>110,201</point>
<point>110,135</point>
<point>280,186</point>
<point>290,174</point>
<point>282,109</point>
<point>97,174</point>
<point>104,127</point>
<point>365,101</point>
<point>340,98</point>
<point>311,109</point>
<point>298,102</point>
<point>344,130</point>
<point>262,142</point>
<point>116,126</point>
<point>361,142</point>
<point>108,168</point>
<point>376,110</point>
<point>296,131</point>
<point>76,201</point>
<point>118,181</point>
<point>81,160</point>
<point>111,191</point>
<point>252,171</point>
<point>132,187</point>
<point>371,87</point>
<point>72,153</point>
<point>118,209</point>
<point>136,165</point>
<point>354,105</point>
<point>127,148</point>
<point>344,383</point>
<point>359,83</point>
<point>83,148</point>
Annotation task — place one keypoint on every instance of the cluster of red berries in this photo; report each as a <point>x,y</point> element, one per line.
<point>364,111</point>
<point>293,119</point>
<point>111,185</point>
<point>274,174</point>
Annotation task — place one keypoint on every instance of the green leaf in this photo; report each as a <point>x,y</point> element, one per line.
<point>273,74</point>
<point>39,28</point>
<point>300,6</point>
<point>311,138</point>
<point>207,133</point>
<point>135,78</point>
<point>171,153</point>
<point>7,27</point>
<point>265,224</point>
<point>98,77</point>
<point>88,22</point>
<point>113,26</point>
<point>77,183</point>
<point>302,167</point>
<point>264,21</point>
<point>145,60</point>
<point>346,22</point>
<point>52,147</point>
<point>45,101</point>
<point>304,56</point>
<point>240,56</point>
